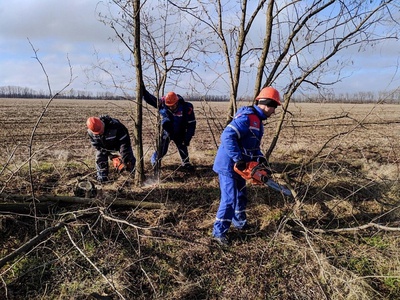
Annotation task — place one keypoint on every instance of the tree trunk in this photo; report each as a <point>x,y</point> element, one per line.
<point>140,177</point>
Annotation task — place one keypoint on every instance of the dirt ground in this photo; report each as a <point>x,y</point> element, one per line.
<point>342,160</point>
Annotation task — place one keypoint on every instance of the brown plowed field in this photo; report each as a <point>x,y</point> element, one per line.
<point>360,131</point>
<point>342,160</point>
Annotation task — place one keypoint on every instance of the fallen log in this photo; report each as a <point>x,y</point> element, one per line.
<point>24,203</point>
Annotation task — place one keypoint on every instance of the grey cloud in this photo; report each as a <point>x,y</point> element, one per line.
<point>74,20</point>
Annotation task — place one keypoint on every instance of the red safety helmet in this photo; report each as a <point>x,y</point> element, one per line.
<point>95,125</point>
<point>269,93</point>
<point>171,98</point>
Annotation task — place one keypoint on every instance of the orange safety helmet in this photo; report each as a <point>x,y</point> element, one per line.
<point>95,125</point>
<point>269,93</point>
<point>171,98</point>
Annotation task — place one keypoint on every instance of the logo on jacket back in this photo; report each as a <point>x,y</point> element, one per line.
<point>254,122</point>
<point>178,113</point>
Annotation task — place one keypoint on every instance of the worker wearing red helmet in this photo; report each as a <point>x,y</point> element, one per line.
<point>240,144</point>
<point>111,140</point>
<point>178,122</point>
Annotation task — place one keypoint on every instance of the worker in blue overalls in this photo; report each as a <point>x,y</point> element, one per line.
<point>240,143</point>
<point>178,122</point>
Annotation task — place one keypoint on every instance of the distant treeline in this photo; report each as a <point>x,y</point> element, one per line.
<point>28,93</point>
<point>389,97</point>
<point>392,97</point>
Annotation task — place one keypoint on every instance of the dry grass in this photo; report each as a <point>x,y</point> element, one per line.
<point>341,159</point>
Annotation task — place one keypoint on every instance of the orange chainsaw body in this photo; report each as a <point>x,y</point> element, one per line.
<point>118,164</point>
<point>253,173</point>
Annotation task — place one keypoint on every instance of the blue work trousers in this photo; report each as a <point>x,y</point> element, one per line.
<point>164,145</point>
<point>232,207</point>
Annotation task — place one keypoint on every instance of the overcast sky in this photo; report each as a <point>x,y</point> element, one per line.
<point>62,30</point>
<point>59,30</point>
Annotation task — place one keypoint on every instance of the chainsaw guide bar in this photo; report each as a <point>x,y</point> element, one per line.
<point>257,174</point>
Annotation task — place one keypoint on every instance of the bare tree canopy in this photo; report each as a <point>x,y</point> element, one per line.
<point>303,46</point>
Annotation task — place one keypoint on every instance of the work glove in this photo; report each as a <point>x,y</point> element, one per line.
<point>264,165</point>
<point>118,164</point>
<point>240,165</point>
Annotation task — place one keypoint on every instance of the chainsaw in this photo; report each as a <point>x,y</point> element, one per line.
<point>257,174</point>
<point>117,163</point>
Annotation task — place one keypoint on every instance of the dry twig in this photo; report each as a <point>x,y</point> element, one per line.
<point>357,228</point>
<point>92,264</point>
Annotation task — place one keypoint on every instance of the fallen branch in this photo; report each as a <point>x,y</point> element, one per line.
<point>357,228</point>
<point>290,187</point>
<point>168,233</point>
<point>23,202</point>
<point>119,220</point>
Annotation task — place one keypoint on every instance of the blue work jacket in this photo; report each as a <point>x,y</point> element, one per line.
<point>180,124</point>
<point>240,140</point>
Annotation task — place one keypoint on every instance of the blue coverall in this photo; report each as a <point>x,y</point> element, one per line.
<point>240,140</point>
<point>114,139</point>
<point>178,126</point>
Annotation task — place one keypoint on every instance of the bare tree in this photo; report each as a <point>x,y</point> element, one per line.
<point>167,43</point>
<point>304,45</point>
<point>126,27</point>
<point>230,24</point>
<point>31,153</point>
<point>307,51</point>
<point>139,79</point>
<point>171,44</point>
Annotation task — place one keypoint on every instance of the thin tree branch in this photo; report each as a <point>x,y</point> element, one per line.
<point>357,228</point>
<point>92,264</point>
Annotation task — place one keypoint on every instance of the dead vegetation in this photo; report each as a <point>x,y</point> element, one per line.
<point>339,239</point>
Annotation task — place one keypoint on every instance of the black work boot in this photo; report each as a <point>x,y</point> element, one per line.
<point>222,240</point>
